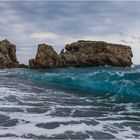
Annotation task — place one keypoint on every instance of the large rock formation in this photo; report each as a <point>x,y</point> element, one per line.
<point>96,53</point>
<point>8,55</point>
<point>82,54</point>
<point>46,57</point>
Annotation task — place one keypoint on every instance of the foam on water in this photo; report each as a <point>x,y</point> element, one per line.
<point>32,108</point>
<point>113,81</point>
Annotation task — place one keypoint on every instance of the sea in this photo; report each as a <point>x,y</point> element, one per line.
<point>70,103</point>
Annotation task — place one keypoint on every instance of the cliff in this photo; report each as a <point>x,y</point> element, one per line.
<point>8,55</point>
<point>83,54</point>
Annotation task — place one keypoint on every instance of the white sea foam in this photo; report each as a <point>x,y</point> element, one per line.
<point>67,111</point>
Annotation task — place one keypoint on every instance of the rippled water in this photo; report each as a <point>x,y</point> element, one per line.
<point>88,103</point>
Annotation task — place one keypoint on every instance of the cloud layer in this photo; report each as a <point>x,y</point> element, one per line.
<point>27,24</point>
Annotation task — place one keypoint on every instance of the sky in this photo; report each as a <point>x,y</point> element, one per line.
<point>29,23</point>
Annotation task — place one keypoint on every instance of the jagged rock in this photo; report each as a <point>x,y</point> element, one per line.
<point>83,54</point>
<point>8,57</point>
<point>95,53</point>
<point>46,57</point>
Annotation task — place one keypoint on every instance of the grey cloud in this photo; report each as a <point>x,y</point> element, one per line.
<point>70,20</point>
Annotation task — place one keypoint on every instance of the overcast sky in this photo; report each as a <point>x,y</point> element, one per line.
<point>28,23</point>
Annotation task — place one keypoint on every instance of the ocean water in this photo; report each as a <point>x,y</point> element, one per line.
<point>72,103</point>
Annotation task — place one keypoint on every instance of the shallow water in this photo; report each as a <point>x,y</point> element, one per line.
<point>74,103</point>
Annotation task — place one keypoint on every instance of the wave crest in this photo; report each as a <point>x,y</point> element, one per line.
<point>113,81</point>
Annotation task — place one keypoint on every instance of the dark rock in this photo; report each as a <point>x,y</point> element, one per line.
<point>23,66</point>
<point>83,54</point>
<point>8,57</point>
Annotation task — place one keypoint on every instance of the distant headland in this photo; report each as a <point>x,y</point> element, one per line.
<point>78,54</point>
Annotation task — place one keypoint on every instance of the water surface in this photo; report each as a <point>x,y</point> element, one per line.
<point>73,103</point>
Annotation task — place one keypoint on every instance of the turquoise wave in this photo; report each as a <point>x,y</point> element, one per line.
<point>110,81</point>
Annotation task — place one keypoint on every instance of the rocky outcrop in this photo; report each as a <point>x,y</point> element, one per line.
<point>82,54</point>
<point>23,66</point>
<point>96,53</point>
<point>46,57</point>
<point>8,57</point>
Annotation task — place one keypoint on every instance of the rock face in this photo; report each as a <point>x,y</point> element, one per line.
<point>96,53</point>
<point>82,54</point>
<point>46,57</point>
<point>8,55</point>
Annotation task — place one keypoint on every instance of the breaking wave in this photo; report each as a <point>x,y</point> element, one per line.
<point>124,82</point>
<point>72,103</point>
